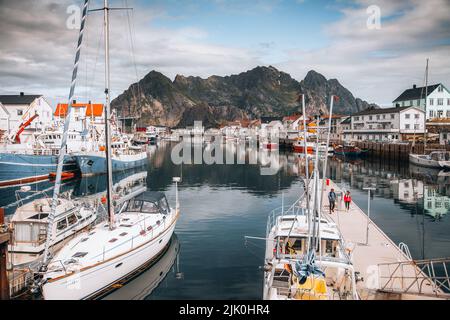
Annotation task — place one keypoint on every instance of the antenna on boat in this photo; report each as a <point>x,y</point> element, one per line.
<point>62,151</point>
<point>177,204</point>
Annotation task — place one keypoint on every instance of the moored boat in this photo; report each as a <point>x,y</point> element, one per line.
<point>349,151</point>
<point>436,159</point>
<point>24,168</point>
<point>30,222</point>
<point>142,230</point>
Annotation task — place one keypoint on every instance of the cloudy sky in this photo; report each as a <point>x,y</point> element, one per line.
<point>222,37</point>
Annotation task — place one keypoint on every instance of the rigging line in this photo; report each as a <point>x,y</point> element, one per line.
<point>131,31</point>
<point>97,54</point>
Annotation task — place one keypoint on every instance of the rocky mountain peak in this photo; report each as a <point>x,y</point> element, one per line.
<point>261,91</point>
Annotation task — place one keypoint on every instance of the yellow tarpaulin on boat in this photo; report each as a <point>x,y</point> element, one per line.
<point>313,289</point>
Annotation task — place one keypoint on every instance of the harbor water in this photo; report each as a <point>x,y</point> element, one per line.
<point>209,257</point>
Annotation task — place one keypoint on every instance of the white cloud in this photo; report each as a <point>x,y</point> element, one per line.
<point>378,65</point>
<point>37,49</point>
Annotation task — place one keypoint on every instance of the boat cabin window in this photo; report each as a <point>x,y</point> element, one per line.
<point>72,219</point>
<point>61,224</point>
<point>157,206</point>
<point>134,206</point>
<point>150,207</point>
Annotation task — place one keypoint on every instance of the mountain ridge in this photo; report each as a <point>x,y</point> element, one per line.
<point>261,91</point>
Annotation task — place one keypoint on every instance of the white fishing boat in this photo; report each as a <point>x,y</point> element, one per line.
<point>306,257</point>
<point>30,222</point>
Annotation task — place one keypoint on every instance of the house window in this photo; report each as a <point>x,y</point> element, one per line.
<point>407,116</point>
<point>440,89</point>
<point>378,117</point>
<point>19,112</point>
<point>440,102</point>
<point>418,103</point>
<point>392,116</point>
<point>440,113</point>
<point>406,126</point>
<point>417,116</point>
<point>431,113</point>
<point>370,117</point>
<point>448,102</point>
<point>370,126</point>
<point>384,116</point>
<point>416,127</point>
<point>431,101</point>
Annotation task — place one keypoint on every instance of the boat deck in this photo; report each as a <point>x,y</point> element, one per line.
<point>379,250</point>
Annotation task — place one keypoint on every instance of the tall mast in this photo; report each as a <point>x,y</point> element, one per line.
<point>110,206</point>
<point>63,150</point>
<point>425,117</point>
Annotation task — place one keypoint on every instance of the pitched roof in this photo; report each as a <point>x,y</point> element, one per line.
<point>18,98</point>
<point>96,109</point>
<point>416,93</point>
<point>380,110</point>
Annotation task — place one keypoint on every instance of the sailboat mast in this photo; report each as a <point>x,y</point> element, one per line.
<point>110,206</point>
<point>62,151</point>
<point>425,116</point>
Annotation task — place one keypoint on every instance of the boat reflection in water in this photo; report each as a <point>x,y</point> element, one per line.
<point>143,284</point>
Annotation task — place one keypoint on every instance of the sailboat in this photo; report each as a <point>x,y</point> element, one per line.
<point>142,227</point>
<point>306,257</point>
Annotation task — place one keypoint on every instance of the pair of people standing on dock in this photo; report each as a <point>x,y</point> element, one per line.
<point>332,200</point>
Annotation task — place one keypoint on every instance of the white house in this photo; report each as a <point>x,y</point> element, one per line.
<point>81,116</point>
<point>438,100</point>
<point>30,112</point>
<point>385,124</point>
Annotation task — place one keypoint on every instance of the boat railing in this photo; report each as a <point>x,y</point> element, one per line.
<point>420,277</point>
<point>131,241</point>
<point>296,209</point>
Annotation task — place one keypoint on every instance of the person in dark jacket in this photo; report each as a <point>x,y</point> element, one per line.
<point>332,200</point>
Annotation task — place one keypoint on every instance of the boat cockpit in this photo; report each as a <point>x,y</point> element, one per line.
<point>149,202</point>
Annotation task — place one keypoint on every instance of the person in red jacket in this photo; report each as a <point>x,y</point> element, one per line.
<point>347,200</point>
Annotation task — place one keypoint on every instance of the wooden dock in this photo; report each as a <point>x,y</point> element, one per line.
<point>379,262</point>
<point>397,151</point>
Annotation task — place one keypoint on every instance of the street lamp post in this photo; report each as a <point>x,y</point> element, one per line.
<point>368,213</point>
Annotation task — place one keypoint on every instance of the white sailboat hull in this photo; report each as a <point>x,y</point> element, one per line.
<point>90,282</point>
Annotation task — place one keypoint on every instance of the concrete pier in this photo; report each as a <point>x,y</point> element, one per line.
<point>371,258</point>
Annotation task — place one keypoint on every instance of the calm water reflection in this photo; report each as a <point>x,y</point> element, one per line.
<point>222,203</point>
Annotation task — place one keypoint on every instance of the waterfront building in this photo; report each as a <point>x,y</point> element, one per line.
<point>438,100</point>
<point>30,112</point>
<point>385,124</point>
<point>82,115</point>
<point>336,130</point>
